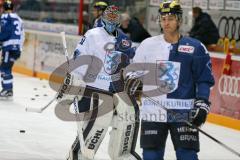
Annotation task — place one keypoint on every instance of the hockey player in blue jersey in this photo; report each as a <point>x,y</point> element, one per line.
<point>188,72</point>
<point>11,37</point>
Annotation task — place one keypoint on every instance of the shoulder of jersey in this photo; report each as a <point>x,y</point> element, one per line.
<point>4,15</point>
<point>94,31</point>
<point>152,40</point>
<point>10,15</point>
<point>192,45</point>
<point>190,41</point>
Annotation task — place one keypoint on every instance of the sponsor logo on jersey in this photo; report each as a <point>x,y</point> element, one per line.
<point>95,139</point>
<point>186,49</point>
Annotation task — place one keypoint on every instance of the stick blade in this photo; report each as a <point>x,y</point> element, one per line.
<point>30,109</point>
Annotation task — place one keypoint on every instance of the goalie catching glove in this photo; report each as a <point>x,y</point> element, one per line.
<point>200,111</point>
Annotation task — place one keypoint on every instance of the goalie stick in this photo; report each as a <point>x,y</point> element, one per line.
<point>41,109</point>
<point>87,153</point>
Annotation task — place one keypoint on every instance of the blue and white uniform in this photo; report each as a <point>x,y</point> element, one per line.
<point>12,38</point>
<point>186,69</point>
<point>110,50</point>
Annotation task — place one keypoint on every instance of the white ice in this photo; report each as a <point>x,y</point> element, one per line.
<point>49,138</point>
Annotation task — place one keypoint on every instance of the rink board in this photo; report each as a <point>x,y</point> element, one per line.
<point>43,52</point>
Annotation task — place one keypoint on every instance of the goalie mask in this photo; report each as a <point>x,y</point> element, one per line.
<point>111,18</point>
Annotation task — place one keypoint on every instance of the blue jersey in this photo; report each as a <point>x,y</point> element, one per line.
<point>12,33</point>
<point>180,73</point>
<point>196,74</point>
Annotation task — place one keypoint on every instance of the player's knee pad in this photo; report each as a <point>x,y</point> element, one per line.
<point>153,154</point>
<point>125,127</point>
<point>186,154</point>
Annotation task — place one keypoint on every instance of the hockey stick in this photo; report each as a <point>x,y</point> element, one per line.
<point>200,130</point>
<point>79,126</point>
<point>87,153</point>
<point>40,110</point>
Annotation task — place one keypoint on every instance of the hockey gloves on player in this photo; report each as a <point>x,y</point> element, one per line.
<point>200,111</point>
<point>132,83</point>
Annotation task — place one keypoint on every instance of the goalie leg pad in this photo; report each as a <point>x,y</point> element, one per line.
<point>93,131</point>
<point>125,127</point>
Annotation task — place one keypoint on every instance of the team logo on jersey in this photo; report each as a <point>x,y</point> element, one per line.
<point>186,49</point>
<point>167,74</point>
<point>112,61</point>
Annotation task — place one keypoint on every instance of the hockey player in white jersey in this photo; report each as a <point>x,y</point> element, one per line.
<point>188,71</point>
<point>107,51</point>
<point>11,38</point>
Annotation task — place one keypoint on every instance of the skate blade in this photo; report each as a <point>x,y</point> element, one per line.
<point>6,98</point>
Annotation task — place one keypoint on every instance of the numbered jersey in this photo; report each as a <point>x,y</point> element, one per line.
<point>186,69</point>
<point>12,33</point>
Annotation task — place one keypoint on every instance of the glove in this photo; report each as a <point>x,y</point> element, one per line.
<point>200,111</point>
<point>131,83</point>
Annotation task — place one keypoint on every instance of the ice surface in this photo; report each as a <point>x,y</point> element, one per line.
<point>49,138</point>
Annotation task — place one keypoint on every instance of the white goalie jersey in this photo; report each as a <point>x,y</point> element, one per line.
<point>98,44</point>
